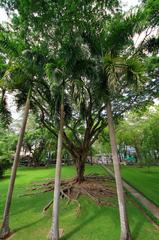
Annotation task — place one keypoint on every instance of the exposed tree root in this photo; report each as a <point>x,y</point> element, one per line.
<point>47,206</point>
<point>7,235</point>
<point>99,188</point>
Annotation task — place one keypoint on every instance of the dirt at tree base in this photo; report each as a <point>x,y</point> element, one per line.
<point>101,189</point>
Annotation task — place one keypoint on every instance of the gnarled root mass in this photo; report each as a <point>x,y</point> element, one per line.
<point>101,189</point>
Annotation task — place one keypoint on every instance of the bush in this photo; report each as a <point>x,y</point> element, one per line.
<point>7,149</point>
<point>4,164</point>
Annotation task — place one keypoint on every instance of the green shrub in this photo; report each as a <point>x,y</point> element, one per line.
<point>5,163</point>
<point>7,149</point>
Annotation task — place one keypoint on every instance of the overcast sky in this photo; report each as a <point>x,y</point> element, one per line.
<point>3,15</point>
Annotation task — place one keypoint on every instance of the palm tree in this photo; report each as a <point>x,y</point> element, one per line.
<point>57,88</point>
<point>125,232</point>
<point>5,114</point>
<point>119,71</point>
<point>5,229</point>
<point>18,75</point>
<point>55,224</point>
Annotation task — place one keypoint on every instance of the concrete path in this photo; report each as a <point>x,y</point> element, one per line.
<point>145,202</point>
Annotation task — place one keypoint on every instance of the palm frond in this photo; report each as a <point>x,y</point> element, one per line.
<point>5,114</point>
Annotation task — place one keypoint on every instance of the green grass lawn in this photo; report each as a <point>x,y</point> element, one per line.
<point>93,223</point>
<point>144,179</point>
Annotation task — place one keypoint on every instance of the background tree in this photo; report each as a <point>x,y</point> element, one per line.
<point>80,41</point>
<point>102,144</point>
<point>130,132</point>
<point>39,147</point>
<point>140,130</point>
<point>60,88</point>
<point>19,75</point>
<point>7,148</point>
<point>82,34</point>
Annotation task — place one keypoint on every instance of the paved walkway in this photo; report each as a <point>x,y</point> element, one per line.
<point>145,202</point>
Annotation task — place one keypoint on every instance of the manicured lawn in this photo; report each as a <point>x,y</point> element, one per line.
<point>93,223</point>
<point>146,181</point>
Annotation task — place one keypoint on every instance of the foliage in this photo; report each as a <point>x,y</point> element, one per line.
<point>102,145</point>
<point>7,148</point>
<point>39,147</point>
<point>5,114</point>
<point>86,45</point>
<point>140,130</point>
<point>150,145</point>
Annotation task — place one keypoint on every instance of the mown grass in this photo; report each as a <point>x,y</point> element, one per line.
<point>143,179</point>
<point>93,223</point>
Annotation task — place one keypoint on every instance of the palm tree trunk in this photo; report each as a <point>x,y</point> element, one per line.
<point>5,229</point>
<point>125,233</point>
<point>54,234</point>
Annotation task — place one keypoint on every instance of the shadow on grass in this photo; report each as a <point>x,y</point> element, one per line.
<point>150,172</point>
<point>136,227</point>
<point>7,176</point>
<point>96,215</point>
<point>28,225</point>
<point>78,228</point>
<point>137,230</point>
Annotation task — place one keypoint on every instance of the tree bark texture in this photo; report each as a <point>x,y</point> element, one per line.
<point>138,155</point>
<point>80,168</point>
<point>125,232</point>
<point>54,234</point>
<point>5,229</point>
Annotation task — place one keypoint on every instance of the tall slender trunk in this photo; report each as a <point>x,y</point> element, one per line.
<point>5,229</point>
<point>138,155</point>
<point>54,233</point>
<point>125,233</point>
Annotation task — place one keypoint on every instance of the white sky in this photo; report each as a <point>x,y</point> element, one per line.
<point>3,15</point>
<point>129,3</point>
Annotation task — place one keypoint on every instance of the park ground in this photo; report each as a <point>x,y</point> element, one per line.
<point>145,180</point>
<point>93,223</point>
